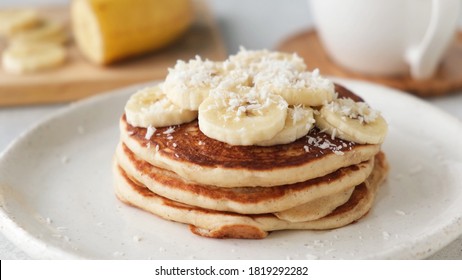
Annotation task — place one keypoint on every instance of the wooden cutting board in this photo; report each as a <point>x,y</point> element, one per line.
<point>79,78</point>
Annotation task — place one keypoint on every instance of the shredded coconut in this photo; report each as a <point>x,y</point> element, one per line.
<point>65,159</point>
<point>196,73</point>
<point>170,130</point>
<point>325,144</point>
<point>149,132</point>
<point>386,235</point>
<point>348,108</point>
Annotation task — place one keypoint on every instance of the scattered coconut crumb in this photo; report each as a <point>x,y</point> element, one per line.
<point>334,132</point>
<point>401,213</point>
<point>318,242</point>
<point>137,238</point>
<point>385,235</point>
<point>149,132</point>
<point>49,220</point>
<point>65,159</point>
<point>118,254</point>
<point>348,108</point>
<point>200,143</point>
<point>311,257</point>
<point>174,145</point>
<point>324,144</point>
<point>170,130</point>
<point>328,251</point>
<point>157,148</point>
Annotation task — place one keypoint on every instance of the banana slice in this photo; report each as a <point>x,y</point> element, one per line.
<point>189,83</point>
<point>47,31</point>
<point>31,58</point>
<point>352,121</point>
<point>246,117</point>
<point>12,21</point>
<point>306,88</point>
<point>257,60</point>
<point>299,121</point>
<point>150,107</point>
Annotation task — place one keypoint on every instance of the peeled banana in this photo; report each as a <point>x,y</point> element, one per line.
<point>352,121</point>
<point>110,30</point>
<point>150,107</point>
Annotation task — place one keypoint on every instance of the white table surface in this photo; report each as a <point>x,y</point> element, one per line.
<point>251,23</point>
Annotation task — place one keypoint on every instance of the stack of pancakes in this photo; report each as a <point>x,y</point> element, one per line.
<point>317,182</point>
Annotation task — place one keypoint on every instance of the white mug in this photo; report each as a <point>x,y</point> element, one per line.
<point>387,37</point>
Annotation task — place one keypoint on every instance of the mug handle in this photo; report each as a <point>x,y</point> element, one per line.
<point>424,58</point>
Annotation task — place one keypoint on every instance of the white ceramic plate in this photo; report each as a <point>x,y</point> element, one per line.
<point>57,200</point>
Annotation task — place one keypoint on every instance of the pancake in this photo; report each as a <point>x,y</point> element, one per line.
<point>185,150</point>
<point>220,224</point>
<point>195,157</point>
<point>316,208</point>
<point>245,200</point>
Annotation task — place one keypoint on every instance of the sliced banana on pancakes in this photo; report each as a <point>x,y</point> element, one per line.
<point>189,83</point>
<point>306,88</point>
<point>246,117</point>
<point>352,121</point>
<point>151,107</point>
<point>258,60</point>
<point>299,121</point>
